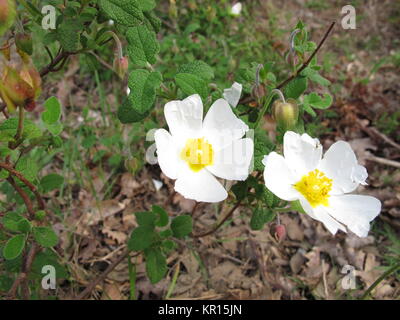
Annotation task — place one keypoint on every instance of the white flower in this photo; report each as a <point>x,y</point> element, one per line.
<point>232,95</point>
<point>321,183</point>
<point>236,9</point>
<point>195,151</point>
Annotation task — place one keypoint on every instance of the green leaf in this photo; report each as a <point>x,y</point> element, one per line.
<point>239,189</point>
<point>8,130</point>
<point>260,217</point>
<point>146,5</point>
<point>24,226</point>
<point>269,198</point>
<point>125,12</point>
<point>68,34</point>
<point>318,102</point>
<point>168,245</point>
<point>152,21</point>
<point>296,206</point>
<point>14,247</point>
<point>163,218</point>
<point>181,226</point>
<point>296,87</point>
<point>51,182</point>
<point>142,45</point>
<point>27,167</point>
<point>146,219</point>
<point>52,111</point>
<point>45,236</point>
<point>314,76</point>
<point>10,221</point>
<point>141,238</point>
<point>143,85</point>
<point>198,68</point>
<point>191,84</point>
<point>166,233</point>
<point>128,114</point>
<point>156,264</point>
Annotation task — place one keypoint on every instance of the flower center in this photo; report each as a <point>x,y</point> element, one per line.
<point>198,153</point>
<point>315,187</point>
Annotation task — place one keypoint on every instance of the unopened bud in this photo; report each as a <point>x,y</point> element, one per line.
<point>23,41</point>
<point>280,232</point>
<point>286,113</point>
<point>20,88</point>
<point>7,15</point>
<point>121,66</point>
<point>258,91</point>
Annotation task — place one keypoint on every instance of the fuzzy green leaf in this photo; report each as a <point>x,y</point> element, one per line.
<point>142,45</point>
<point>181,226</point>
<point>141,238</point>
<point>45,236</point>
<point>156,264</point>
<point>143,85</point>
<point>125,12</point>
<point>260,217</point>
<point>198,68</point>
<point>191,84</point>
<point>14,247</point>
<point>51,182</point>
<point>296,87</point>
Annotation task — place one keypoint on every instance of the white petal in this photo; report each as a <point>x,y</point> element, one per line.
<point>233,162</point>
<point>302,152</point>
<point>200,186</point>
<point>232,95</point>
<point>355,211</point>
<point>221,126</point>
<point>184,117</point>
<point>340,164</point>
<point>321,214</point>
<point>278,177</point>
<point>167,153</point>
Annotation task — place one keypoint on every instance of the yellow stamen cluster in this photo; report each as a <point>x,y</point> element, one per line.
<point>198,154</point>
<point>315,187</point>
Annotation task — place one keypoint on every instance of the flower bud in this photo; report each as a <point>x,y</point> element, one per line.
<point>121,66</point>
<point>7,15</point>
<point>280,232</point>
<point>20,88</point>
<point>286,113</point>
<point>23,41</point>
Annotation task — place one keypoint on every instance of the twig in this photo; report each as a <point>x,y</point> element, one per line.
<point>371,131</point>
<point>26,268</point>
<point>305,64</point>
<point>50,67</point>
<point>24,196</point>
<point>100,278</point>
<point>19,175</point>
<point>220,223</point>
<point>384,161</point>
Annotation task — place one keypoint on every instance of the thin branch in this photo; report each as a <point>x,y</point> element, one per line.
<point>100,278</point>
<point>24,196</point>
<point>305,64</point>
<point>220,223</point>
<point>26,268</point>
<point>20,177</point>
